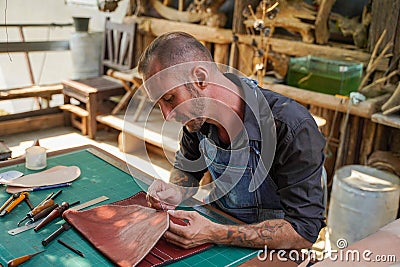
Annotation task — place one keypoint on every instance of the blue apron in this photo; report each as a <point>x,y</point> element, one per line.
<point>232,171</point>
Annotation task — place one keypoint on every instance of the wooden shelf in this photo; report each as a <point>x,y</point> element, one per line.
<point>388,120</point>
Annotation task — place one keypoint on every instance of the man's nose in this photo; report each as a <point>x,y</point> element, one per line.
<point>167,112</point>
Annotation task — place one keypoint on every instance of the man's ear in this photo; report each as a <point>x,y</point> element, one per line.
<point>201,77</point>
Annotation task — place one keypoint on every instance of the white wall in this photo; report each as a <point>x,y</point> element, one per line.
<point>50,67</point>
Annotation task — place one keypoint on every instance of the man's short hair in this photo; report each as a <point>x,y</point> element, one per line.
<point>173,48</point>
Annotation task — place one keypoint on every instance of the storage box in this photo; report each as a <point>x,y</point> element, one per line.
<point>324,75</point>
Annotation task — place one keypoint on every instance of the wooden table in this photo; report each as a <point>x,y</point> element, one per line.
<point>101,174</point>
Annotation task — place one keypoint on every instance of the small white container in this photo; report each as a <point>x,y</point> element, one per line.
<point>35,158</point>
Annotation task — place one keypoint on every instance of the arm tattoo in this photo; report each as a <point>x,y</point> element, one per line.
<point>255,235</point>
<point>188,184</point>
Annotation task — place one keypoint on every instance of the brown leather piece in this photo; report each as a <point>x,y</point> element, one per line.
<point>128,233</point>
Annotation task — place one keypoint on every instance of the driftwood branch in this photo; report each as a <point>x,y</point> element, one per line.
<point>371,86</point>
<point>393,104</point>
<point>321,22</point>
<point>375,59</point>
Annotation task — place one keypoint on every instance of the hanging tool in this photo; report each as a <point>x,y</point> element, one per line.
<point>54,214</point>
<point>47,202</point>
<point>54,235</point>
<point>13,201</point>
<point>22,259</point>
<point>89,203</point>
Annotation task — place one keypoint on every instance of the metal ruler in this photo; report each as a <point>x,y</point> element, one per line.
<point>89,203</point>
<point>214,215</point>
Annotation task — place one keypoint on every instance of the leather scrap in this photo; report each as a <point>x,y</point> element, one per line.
<point>54,175</point>
<point>129,233</point>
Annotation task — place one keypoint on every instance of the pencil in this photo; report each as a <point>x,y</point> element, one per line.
<point>44,187</point>
<point>71,248</point>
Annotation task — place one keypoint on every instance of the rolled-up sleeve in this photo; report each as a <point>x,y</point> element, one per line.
<point>298,168</point>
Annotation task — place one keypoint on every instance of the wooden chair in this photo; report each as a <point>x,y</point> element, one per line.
<point>93,93</point>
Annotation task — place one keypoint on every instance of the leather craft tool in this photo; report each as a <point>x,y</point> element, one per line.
<point>42,214</point>
<point>71,248</point>
<point>54,214</point>
<point>89,203</point>
<point>47,202</point>
<point>59,231</point>
<point>13,201</point>
<point>22,259</point>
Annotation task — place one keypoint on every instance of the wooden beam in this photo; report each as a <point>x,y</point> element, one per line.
<point>34,91</point>
<point>224,36</point>
<point>13,47</point>
<point>35,123</point>
<point>158,27</point>
<point>364,109</point>
<point>388,120</point>
<point>300,49</point>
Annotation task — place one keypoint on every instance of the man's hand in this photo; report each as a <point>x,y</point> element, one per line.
<point>163,196</point>
<point>198,231</point>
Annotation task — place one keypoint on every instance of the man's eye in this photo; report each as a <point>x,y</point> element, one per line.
<point>169,98</point>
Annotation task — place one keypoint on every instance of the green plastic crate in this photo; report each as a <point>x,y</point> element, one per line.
<point>324,75</point>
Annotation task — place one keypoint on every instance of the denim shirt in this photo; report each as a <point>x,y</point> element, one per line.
<point>289,162</point>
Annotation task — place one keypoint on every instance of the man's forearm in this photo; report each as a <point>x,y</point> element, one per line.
<point>188,185</point>
<point>277,234</point>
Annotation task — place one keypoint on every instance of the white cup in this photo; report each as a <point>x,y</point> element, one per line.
<point>35,158</point>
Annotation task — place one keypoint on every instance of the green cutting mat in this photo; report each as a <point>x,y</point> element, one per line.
<point>98,178</point>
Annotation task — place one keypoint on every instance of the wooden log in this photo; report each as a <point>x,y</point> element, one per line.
<point>321,22</point>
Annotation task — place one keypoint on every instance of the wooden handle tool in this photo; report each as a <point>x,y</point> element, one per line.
<point>22,259</point>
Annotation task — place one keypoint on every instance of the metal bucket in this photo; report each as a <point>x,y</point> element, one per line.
<point>86,54</point>
<point>363,199</point>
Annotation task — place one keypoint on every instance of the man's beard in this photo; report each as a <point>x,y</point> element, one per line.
<point>195,124</point>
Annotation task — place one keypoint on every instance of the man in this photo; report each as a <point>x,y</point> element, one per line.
<point>263,151</point>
